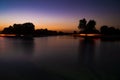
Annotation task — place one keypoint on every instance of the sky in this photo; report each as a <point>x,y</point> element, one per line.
<point>60,15</point>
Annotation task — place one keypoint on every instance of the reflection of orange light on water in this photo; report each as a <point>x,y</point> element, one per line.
<point>4,35</point>
<point>89,34</point>
<point>82,34</point>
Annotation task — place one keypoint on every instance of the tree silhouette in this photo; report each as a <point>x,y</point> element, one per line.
<point>20,29</point>
<point>87,27</point>
<point>109,30</point>
<point>8,30</point>
<point>91,25</point>
<point>17,29</point>
<point>104,29</point>
<point>82,24</point>
<point>112,30</point>
<point>23,29</point>
<point>28,28</point>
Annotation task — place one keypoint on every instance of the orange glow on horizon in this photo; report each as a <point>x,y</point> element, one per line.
<point>41,21</point>
<point>50,27</point>
<point>56,26</point>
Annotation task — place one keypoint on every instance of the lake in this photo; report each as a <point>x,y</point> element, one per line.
<point>59,58</point>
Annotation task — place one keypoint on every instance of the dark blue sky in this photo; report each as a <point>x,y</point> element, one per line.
<point>56,12</point>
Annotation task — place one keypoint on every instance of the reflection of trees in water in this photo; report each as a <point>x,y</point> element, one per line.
<point>87,56</point>
<point>28,46</point>
<point>23,46</point>
<point>86,52</point>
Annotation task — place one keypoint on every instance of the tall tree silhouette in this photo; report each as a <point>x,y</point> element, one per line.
<point>87,27</point>
<point>82,24</point>
<point>91,25</point>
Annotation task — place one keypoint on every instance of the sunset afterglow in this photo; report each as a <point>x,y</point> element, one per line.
<point>58,14</point>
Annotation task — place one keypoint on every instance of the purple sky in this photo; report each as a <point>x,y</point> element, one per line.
<point>59,14</point>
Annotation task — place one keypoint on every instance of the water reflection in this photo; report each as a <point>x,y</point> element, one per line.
<point>70,57</point>
<point>101,60</point>
<point>16,48</point>
<point>108,62</point>
<point>86,52</point>
<point>16,59</point>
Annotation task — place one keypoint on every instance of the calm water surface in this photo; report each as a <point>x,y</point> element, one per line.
<point>59,58</point>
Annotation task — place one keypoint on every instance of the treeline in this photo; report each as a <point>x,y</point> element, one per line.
<point>28,29</point>
<point>46,32</point>
<point>109,30</point>
<point>89,27</point>
<point>20,29</point>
